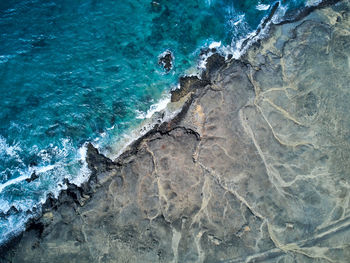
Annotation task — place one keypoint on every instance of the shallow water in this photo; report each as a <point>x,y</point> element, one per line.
<point>77,71</point>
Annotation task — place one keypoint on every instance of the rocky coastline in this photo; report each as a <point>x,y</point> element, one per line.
<point>255,167</point>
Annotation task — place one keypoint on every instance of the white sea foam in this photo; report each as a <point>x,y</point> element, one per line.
<point>238,21</point>
<point>150,119</point>
<point>45,169</point>
<point>84,172</point>
<point>111,128</point>
<point>215,44</point>
<point>202,64</point>
<point>5,148</point>
<point>166,52</point>
<point>262,7</point>
<point>15,225</point>
<point>280,13</point>
<point>51,175</point>
<point>313,2</point>
<point>156,107</point>
<point>13,181</point>
<point>239,47</point>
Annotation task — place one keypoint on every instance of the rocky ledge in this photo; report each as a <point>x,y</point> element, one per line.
<point>256,167</point>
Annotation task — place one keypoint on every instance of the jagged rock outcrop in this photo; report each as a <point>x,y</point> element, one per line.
<point>255,169</point>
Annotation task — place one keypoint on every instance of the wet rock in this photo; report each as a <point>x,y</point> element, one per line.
<point>213,63</point>
<point>204,51</point>
<point>187,84</point>
<point>33,177</point>
<point>166,60</point>
<point>13,210</point>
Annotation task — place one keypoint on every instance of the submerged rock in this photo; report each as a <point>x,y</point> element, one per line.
<point>255,169</point>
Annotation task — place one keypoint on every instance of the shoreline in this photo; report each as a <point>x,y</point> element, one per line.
<point>76,194</point>
<point>258,35</point>
<point>154,124</point>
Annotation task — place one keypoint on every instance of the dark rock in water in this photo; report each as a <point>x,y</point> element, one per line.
<point>272,13</point>
<point>51,202</point>
<point>214,62</point>
<point>33,177</point>
<point>204,52</point>
<point>165,60</point>
<point>156,7</point>
<point>13,210</point>
<point>33,163</point>
<point>38,43</point>
<point>187,85</point>
<point>97,162</point>
<point>263,24</point>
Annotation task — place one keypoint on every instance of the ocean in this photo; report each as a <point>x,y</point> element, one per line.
<point>73,72</point>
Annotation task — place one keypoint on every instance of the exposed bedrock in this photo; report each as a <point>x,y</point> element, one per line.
<point>165,60</point>
<point>255,169</point>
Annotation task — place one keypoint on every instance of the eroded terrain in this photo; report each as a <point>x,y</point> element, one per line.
<point>256,169</point>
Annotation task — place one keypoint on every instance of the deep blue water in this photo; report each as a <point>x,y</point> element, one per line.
<point>86,70</point>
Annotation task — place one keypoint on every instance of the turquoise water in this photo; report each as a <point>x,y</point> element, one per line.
<point>78,71</point>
